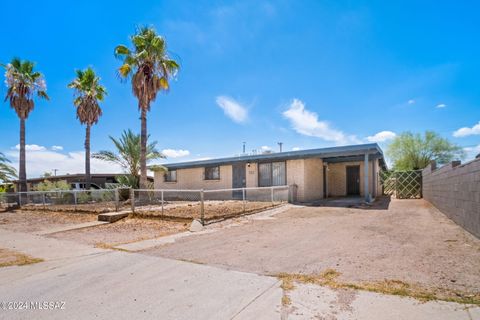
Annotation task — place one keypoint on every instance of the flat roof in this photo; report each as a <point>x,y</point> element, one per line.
<point>331,154</point>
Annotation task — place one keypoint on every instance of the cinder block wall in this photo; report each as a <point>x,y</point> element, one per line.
<point>455,190</point>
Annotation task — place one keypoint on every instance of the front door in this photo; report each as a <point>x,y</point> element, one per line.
<point>353,180</point>
<point>238,179</point>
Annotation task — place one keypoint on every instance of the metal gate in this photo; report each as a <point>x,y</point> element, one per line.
<point>402,184</point>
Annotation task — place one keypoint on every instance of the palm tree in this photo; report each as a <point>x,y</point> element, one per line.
<point>88,92</point>
<point>150,69</point>
<point>128,155</point>
<point>23,83</point>
<point>7,172</point>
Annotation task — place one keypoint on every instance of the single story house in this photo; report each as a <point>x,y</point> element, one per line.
<point>317,173</point>
<point>77,180</point>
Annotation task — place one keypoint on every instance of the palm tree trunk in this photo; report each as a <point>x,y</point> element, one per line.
<point>22,172</point>
<point>87,158</point>
<point>143,150</point>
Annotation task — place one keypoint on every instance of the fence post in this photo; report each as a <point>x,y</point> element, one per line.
<point>117,199</point>
<point>19,199</point>
<point>43,201</point>
<point>202,208</point>
<point>271,190</point>
<point>75,199</point>
<point>244,200</point>
<point>162,201</point>
<point>132,199</point>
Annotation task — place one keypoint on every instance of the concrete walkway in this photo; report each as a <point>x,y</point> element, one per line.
<point>105,284</point>
<point>69,227</point>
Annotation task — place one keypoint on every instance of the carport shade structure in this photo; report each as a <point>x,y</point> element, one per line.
<point>361,153</point>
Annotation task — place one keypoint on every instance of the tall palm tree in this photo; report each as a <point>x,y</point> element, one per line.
<point>150,69</point>
<point>23,84</point>
<point>128,156</point>
<point>7,172</point>
<point>88,92</point>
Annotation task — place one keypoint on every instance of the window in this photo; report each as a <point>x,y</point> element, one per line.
<point>212,173</point>
<point>271,174</point>
<point>171,176</point>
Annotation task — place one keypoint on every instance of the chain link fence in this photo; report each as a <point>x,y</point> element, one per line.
<point>91,201</point>
<point>206,205</point>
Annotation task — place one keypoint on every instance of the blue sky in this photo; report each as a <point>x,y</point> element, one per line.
<point>307,73</point>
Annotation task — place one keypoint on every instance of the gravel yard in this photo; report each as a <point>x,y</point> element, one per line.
<point>123,231</point>
<point>213,209</point>
<point>32,221</point>
<point>405,240</point>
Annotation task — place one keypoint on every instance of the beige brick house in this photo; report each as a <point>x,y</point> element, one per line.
<point>316,173</point>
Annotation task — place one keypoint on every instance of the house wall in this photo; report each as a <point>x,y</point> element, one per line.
<point>337,177</point>
<point>192,178</point>
<point>455,190</point>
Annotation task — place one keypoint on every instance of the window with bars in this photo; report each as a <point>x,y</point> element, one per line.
<point>171,176</point>
<point>271,174</point>
<point>212,173</point>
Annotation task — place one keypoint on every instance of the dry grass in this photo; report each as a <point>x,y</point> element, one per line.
<point>393,287</point>
<point>12,258</point>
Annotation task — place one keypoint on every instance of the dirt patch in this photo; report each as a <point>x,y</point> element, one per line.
<point>12,258</point>
<point>94,208</point>
<point>123,231</point>
<point>393,287</point>
<point>213,210</point>
<point>32,221</point>
<point>408,240</point>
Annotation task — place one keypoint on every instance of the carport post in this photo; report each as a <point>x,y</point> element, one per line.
<point>365,178</point>
<point>271,190</point>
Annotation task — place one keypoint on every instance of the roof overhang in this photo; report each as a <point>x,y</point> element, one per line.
<point>332,154</point>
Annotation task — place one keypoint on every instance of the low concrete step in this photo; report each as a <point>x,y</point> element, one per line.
<point>113,216</point>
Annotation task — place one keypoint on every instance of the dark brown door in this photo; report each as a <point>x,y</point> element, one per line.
<point>238,179</point>
<point>353,180</point>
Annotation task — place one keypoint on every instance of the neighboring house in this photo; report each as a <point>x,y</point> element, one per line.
<point>317,173</point>
<point>77,181</point>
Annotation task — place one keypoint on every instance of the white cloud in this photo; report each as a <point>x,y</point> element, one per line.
<point>296,149</point>
<point>232,109</point>
<point>307,123</point>
<point>411,101</point>
<point>441,105</point>
<point>171,153</point>
<point>41,161</point>
<point>57,148</point>
<point>31,147</point>
<point>381,136</point>
<point>265,148</point>
<point>466,131</point>
<point>472,151</point>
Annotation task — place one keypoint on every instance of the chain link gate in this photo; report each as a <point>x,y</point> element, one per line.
<point>402,184</point>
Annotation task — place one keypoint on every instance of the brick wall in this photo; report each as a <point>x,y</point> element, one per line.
<point>455,190</point>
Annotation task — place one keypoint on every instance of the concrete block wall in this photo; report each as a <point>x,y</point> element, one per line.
<point>192,178</point>
<point>455,190</point>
